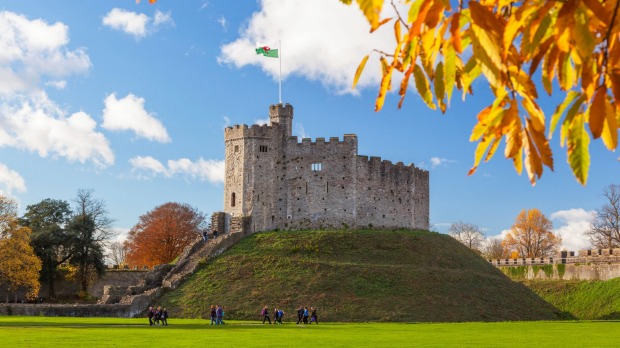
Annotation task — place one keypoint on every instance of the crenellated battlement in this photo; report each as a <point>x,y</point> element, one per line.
<point>285,182</point>
<point>320,141</point>
<point>254,131</point>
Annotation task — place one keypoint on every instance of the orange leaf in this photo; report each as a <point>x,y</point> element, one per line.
<point>598,111</point>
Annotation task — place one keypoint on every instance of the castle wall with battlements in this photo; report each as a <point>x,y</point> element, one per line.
<point>282,182</point>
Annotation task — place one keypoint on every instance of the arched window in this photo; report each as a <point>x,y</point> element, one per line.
<point>232,200</point>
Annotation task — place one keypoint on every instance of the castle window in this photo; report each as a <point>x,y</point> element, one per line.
<point>262,148</point>
<point>236,148</point>
<point>232,199</point>
<point>316,167</point>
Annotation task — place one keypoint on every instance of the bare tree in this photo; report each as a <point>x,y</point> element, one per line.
<point>88,206</point>
<point>604,231</point>
<point>493,249</point>
<point>468,234</point>
<point>8,213</point>
<point>118,253</point>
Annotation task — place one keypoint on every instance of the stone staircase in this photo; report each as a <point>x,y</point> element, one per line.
<point>138,299</point>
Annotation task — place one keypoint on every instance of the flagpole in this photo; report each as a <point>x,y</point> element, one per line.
<point>280,75</point>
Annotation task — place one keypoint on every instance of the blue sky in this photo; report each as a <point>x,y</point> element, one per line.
<point>131,100</point>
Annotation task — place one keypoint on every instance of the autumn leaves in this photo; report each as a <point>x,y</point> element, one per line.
<point>572,44</point>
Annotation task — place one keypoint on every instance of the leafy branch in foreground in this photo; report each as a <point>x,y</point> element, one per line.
<point>574,43</point>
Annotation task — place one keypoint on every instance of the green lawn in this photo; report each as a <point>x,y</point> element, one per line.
<point>114,332</point>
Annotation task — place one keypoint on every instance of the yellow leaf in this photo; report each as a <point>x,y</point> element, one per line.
<point>450,68</point>
<point>533,165</point>
<point>359,70</point>
<point>383,21</point>
<point>416,17</point>
<point>587,77</point>
<point>566,76</point>
<point>510,32</point>
<point>517,161</point>
<point>471,72</point>
<point>403,86</point>
<point>522,82</point>
<point>385,84</point>
<point>480,151</point>
<point>578,149</point>
<point>584,40</point>
<point>548,70</point>
<point>542,144</point>
<point>610,128</point>
<point>397,31</point>
<point>535,113</point>
<point>570,114</point>
<point>559,111</point>
<point>598,114</point>
<point>489,69</point>
<point>514,142</point>
<point>484,18</point>
<point>423,87</point>
<point>372,10</point>
<point>494,145</point>
<point>440,89</point>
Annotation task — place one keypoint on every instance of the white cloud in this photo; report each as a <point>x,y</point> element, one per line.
<point>36,124</point>
<point>30,49</point>
<point>300,131</point>
<point>10,180</point>
<point>573,225</point>
<point>322,40</point>
<point>440,162</point>
<point>128,114</point>
<point>262,121</point>
<point>161,18</point>
<point>226,122</point>
<point>29,120</point>
<point>222,22</point>
<point>136,24</point>
<point>203,170</point>
<point>57,84</point>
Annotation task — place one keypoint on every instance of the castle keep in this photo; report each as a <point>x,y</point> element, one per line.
<point>273,181</point>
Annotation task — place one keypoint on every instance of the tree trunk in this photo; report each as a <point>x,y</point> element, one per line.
<point>51,278</point>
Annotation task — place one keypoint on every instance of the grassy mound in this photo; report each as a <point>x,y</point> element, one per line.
<point>357,276</point>
<point>583,299</point>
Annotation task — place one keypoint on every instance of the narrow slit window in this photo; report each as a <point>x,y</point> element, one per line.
<point>236,148</point>
<point>232,199</point>
<point>316,167</point>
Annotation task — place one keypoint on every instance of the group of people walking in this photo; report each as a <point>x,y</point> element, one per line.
<point>158,316</point>
<point>302,315</point>
<point>205,235</point>
<point>217,315</point>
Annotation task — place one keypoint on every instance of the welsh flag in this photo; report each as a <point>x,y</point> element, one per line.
<point>267,52</point>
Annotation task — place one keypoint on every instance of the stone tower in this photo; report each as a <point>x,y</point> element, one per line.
<point>274,181</point>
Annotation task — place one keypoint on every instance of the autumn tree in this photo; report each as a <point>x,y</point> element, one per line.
<point>604,231</point>
<point>468,234</point>
<point>531,235</point>
<point>118,253</point>
<point>162,234</point>
<point>573,44</point>
<point>92,230</point>
<point>50,238</point>
<point>20,266</point>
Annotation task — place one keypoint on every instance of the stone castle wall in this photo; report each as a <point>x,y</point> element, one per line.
<point>282,183</point>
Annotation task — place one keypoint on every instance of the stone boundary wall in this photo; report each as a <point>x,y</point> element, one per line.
<point>600,271</point>
<point>65,310</point>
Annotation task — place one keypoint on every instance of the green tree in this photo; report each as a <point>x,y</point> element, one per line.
<point>91,228</point>
<point>86,252</point>
<point>51,241</point>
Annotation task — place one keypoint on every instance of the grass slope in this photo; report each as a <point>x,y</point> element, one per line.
<point>357,276</point>
<point>583,299</point>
